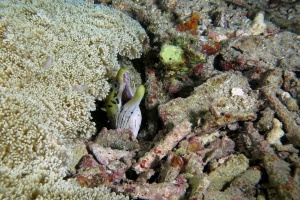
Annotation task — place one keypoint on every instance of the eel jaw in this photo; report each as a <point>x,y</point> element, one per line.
<point>122,106</point>
<point>127,93</point>
<point>130,116</point>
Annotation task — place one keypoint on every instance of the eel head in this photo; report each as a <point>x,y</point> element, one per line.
<point>122,105</point>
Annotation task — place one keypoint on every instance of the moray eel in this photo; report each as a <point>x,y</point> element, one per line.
<point>122,106</point>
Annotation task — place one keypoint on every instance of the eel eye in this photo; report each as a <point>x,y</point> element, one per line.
<point>116,85</point>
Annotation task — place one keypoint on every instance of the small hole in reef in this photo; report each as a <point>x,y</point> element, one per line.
<point>131,174</point>
<point>99,117</point>
<point>217,62</point>
<point>254,84</point>
<point>297,74</point>
<point>153,178</point>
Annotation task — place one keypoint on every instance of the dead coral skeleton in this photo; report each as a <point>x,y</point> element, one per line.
<point>287,117</point>
<point>236,135</point>
<point>277,169</point>
<point>161,149</point>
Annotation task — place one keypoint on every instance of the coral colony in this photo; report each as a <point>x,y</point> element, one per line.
<point>56,59</point>
<point>149,99</point>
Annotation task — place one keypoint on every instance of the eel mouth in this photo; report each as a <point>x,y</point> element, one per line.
<point>127,93</point>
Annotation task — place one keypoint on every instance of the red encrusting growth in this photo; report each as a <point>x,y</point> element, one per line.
<point>227,65</point>
<point>227,115</point>
<point>194,146</point>
<point>143,164</point>
<point>151,96</point>
<point>190,25</point>
<point>210,50</point>
<point>177,161</point>
<point>198,69</point>
<point>229,35</point>
<point>157,151</point>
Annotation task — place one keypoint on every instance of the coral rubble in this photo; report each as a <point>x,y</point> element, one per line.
<point>234,67</point>
<point>161,149</point>
<point>277,169</point>
<point>213,104</point>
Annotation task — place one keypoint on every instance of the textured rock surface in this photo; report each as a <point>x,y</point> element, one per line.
<point>167,190</point>
<point>161,148</point>
<point>214,103</point>
<point>117,139</point>
<point>278,170</point>
<point>227,172</point>
<point>260,51</point>
<point>284,13</point>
